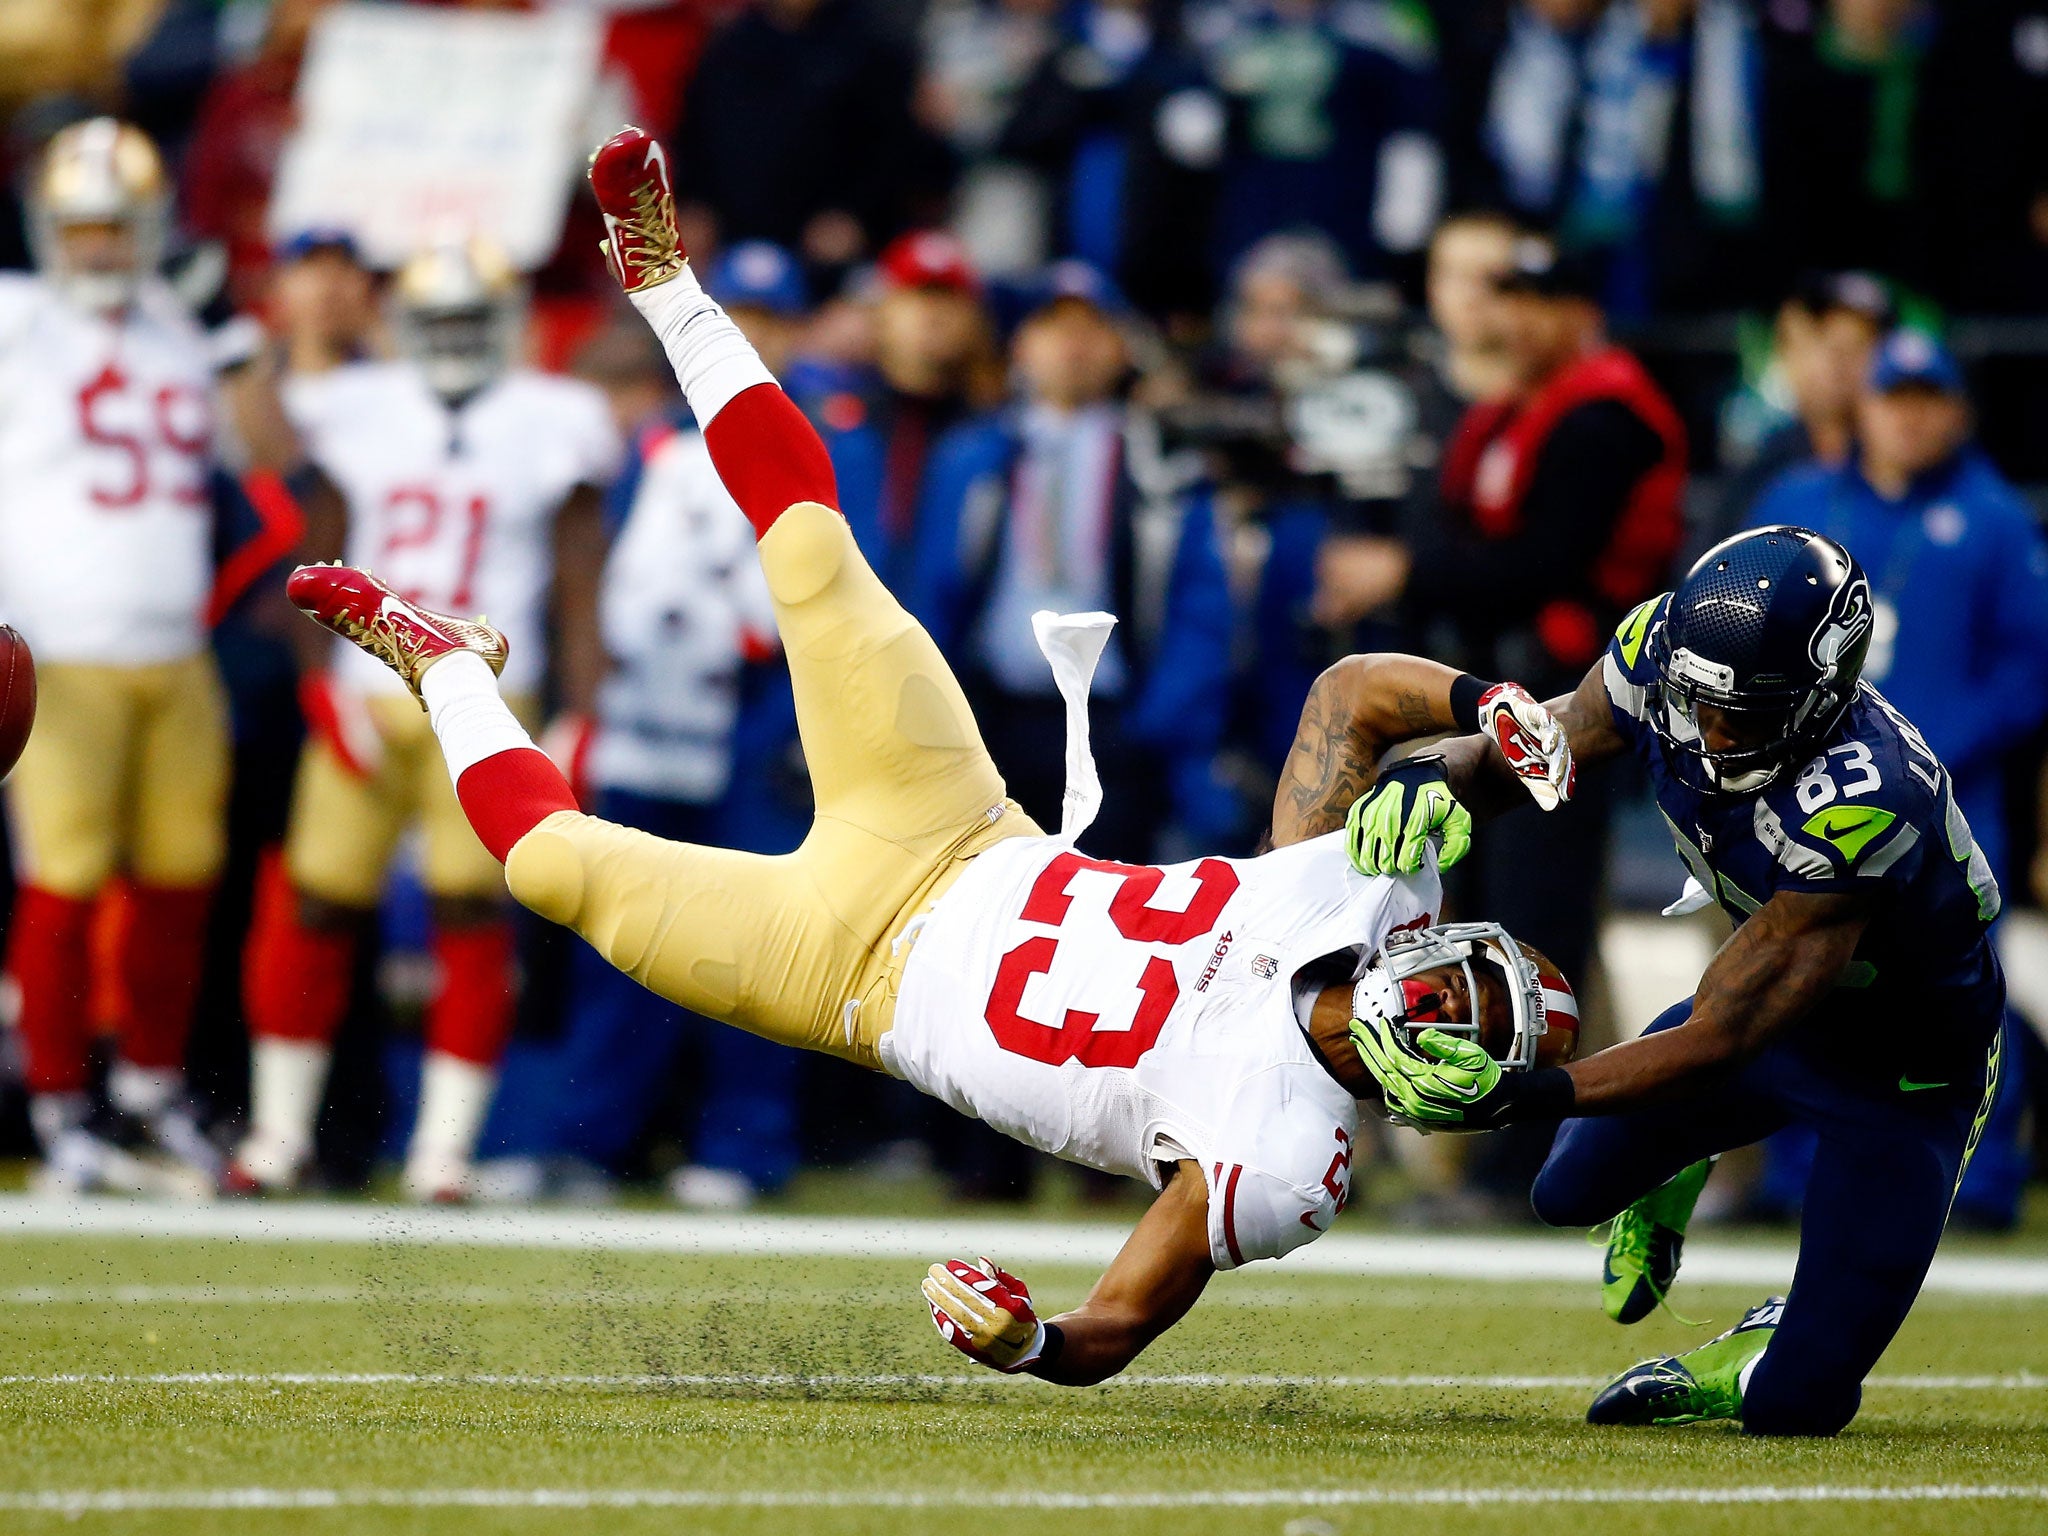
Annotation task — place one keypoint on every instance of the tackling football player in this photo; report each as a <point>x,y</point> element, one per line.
<point>1190,1026</point>
<point>1858,995</point>
<point>111,403</point>
<point>474,485</point>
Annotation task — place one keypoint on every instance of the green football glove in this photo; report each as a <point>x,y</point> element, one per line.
<point>1390,825</point>
<point>1441,1083</point>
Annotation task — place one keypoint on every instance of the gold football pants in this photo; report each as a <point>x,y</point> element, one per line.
<point>344,827</point>
<point>798,948</point>
<point>125,772</point>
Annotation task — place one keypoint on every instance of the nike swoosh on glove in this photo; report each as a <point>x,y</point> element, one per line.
<point>1388,829</point>
<point>985,1312</point>
<point>1534,744</point>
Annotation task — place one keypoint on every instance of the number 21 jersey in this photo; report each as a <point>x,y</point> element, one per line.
<point>1122,1016</point>
<point>455,508</point>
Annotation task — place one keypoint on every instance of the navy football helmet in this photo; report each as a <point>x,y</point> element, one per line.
<point>1770,628</point>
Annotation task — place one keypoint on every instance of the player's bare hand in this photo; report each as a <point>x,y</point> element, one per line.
<point>985,1312</point>
<point>1533,743</point>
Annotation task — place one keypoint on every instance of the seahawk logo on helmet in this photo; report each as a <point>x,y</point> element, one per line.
<point>1767,633</point>
<point>98,209</point>
<point>458,310</point>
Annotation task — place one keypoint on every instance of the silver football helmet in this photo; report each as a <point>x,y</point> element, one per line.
<point>107,174</point>
<point>1539,1001</point>
<point>458,310</point>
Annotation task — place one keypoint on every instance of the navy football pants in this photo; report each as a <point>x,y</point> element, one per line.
<point>1884,1172</point>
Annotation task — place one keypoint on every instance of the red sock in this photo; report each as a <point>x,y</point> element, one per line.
<point>49,955</point>
<point>510,793</point>
<point>769,455</point>
<point>471,1016</point>
<point>163,951</point>
<point>295,979</point>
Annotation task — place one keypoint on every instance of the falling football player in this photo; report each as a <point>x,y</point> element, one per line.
<point>1859,994</point>
<point>1191,1026</point>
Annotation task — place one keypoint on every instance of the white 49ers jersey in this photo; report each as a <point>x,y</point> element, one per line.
<point>455,508</point>
<point>106,439</point>
<point>1122,1016</point>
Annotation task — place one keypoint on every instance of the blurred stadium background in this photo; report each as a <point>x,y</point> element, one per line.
<point>1286,328</point>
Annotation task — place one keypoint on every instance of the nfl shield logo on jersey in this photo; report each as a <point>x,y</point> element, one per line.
<point>1265,967</point>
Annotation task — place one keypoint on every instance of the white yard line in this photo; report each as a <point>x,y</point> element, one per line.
<point>2017,1381</point>
<point>125,1501</point>
<point>1543,1257</point>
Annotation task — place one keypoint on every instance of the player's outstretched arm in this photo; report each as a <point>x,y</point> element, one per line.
<point>1768,975</point>
<point>1364,705</point>
<point>986,1313</point>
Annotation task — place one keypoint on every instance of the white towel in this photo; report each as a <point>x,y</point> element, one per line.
<point>1073,643</point>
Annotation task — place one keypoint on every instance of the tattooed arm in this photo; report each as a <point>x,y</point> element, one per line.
<point>1356,710</point>
<point>1769,974</point>
<point>1365,704</point>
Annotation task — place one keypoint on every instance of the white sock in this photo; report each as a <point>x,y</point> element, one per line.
<point>143,1091</point>
<point>713,361</point>
<point>454,1096</point>
<point>469,718</point>
<point>287,1081</point>
<point>52,1114</point>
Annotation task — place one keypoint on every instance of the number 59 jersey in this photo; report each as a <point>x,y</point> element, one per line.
<point>1122,1016</point>
<point>106,443</point>
<point>455,508</point>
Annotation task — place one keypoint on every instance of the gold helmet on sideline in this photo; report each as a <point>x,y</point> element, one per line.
<point>106,175</point>
<point>458,310</point>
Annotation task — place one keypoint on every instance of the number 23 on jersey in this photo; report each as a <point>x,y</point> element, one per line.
<point>1132,920</point>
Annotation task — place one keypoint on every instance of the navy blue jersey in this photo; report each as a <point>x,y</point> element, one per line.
<point>1872,813</point>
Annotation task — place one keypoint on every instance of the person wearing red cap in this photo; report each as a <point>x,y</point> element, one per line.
<point>935,364</point>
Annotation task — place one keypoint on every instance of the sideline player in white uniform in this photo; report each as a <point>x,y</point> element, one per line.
<point>110,432</point>
<point>1189,1025</point>
<point>475,485</point>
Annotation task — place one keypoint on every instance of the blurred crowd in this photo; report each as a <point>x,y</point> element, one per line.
<point>1280,328</point>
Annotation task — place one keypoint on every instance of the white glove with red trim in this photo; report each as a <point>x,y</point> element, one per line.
<point>341,717</point>
<point>1531,740</point>
<point>985,1312</point>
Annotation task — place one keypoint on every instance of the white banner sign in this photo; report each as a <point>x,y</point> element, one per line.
<point>416,125</point>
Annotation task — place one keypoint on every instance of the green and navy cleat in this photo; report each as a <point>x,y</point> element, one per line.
<point>1703,1383</point>
<point>1644,1243</point>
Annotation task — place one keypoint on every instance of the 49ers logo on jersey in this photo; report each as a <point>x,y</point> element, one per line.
<point>1076,1037</point>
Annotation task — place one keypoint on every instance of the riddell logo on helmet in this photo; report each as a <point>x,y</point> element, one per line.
<point>1215,962</point>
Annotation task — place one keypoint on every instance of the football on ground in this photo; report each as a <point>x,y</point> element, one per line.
<point>17,696</point>
<point>574,1373</point>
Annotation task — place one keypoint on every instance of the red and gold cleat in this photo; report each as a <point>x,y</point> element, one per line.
<point>629,175</point>
<point>407,639</point>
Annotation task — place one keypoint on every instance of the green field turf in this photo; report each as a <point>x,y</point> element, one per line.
<point>604,1338</point>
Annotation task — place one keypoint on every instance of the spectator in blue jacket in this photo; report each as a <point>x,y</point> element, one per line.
<point>934,364</point>
<point>1049,504</point>
<point>1959,578</point>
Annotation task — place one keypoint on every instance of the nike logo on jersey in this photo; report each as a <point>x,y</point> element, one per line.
<point>1907,1085</point>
